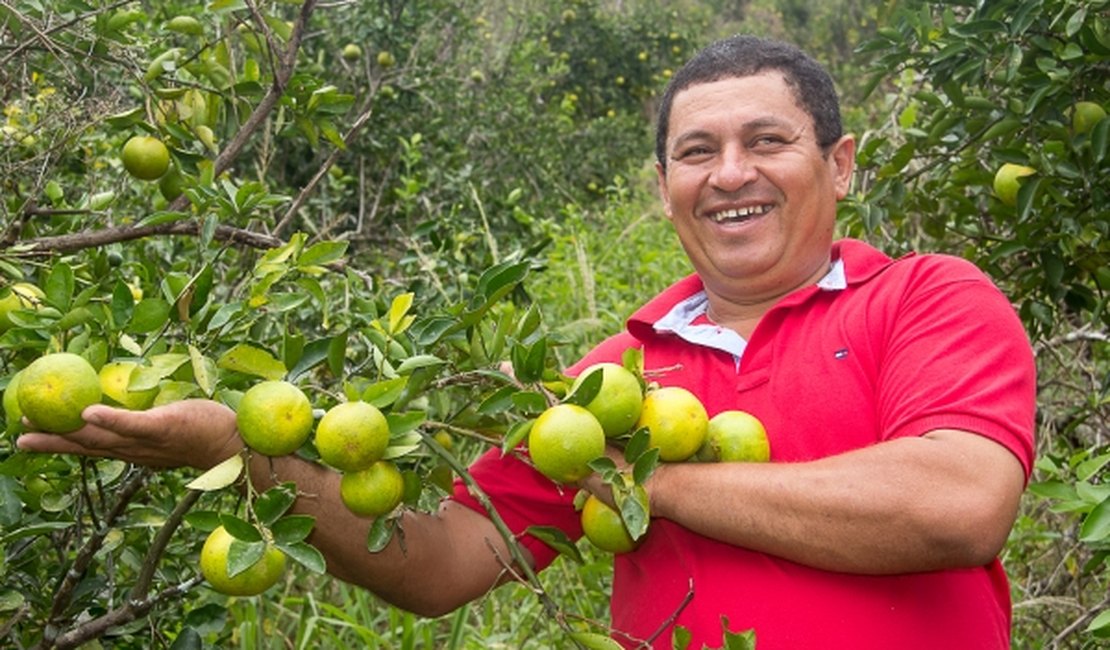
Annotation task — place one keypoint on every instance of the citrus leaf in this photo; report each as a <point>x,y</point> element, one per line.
<point>239,528</point>
<point>498,401</point>
<point>1100,626</point>
<point>557,540</point>
<point>150,315</point>
<point>402,423</point>
<point>219,476</point>
<point>292,529</point>
<point>274,502</point>
<point>383,393</point>
<point>381,531</point>
<point>587,390</point>
<point>201,371</point>
<point>252,360</point>
<point>419,361</point>
<point>322,253</point>
<point>634,510</point>
<point>515,435</point>
<point>306,555</point>
<point>397,312</point>
<point>1096,526</point>
<point>242,556</point>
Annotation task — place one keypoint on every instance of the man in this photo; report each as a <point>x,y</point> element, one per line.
<point>898,398</point>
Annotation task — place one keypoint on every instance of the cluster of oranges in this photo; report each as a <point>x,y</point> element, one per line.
<point>567,437</point>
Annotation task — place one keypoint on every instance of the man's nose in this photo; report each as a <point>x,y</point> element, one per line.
<point>735,169</point>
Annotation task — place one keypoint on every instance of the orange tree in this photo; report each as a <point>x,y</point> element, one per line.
<point>356,221</point>
<point>968,88</point>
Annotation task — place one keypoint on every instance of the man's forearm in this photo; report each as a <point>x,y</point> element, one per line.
<point>917,504</point>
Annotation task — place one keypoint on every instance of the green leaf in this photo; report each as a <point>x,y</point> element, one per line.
<point>515,435</point>
<point>588,388</point>
<point>150,315</point>
<point>239,528</point>
<point>243,555</point>
<point>397,312</point>
<point>419,361</point>
<point>337,353</point>
<point>322,253</point>
<point>499,401</point>
<point>219,476</point>
<point>633,507</point>
<point>384,393</point>
<point>1100,626</point>
<point>402,423</point>
<point>315,353</point>
<point>1096,526</point>
<point>381,531</point>
<point>59,286</point>
<point>529,402</point>
<point>306,555</point>
<point>274,502</point>
<point>528,360</point>
<point>292,529</point>
<point>681,638</point>
<point>1090,467</point>
<point>557,540</point>
<point>252,360</point>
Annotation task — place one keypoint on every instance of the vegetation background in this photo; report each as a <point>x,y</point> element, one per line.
<point>382,199</point>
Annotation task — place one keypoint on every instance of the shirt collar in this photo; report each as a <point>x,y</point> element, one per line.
<point>680,320</point>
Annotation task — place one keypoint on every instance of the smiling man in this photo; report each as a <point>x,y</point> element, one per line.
<point>898,398</point>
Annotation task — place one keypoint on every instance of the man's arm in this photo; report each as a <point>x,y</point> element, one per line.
<point>440,562</point>
<point>947,499</point>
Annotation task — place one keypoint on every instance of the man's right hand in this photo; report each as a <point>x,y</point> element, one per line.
<point>197,433</point>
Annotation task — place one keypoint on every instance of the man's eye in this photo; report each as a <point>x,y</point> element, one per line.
<point>767,141</point>
<point>693,152</point>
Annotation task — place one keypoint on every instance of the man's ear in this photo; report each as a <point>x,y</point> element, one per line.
<point>661,177</point>
<point>843,159</point>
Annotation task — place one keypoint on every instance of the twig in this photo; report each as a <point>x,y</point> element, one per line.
<point>158,546</point>
<point>125,613</point>
<point>92,545</point>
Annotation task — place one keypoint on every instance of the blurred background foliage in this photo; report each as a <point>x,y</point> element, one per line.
<point>330,157</point>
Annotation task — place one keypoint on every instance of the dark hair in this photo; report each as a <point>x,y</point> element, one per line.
<point>744,56</point>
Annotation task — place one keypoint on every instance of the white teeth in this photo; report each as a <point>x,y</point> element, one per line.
<point>740,213</point>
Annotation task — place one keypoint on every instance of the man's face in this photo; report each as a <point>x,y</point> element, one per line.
<point>751,194</point>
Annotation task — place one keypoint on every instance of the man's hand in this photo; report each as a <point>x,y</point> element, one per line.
<point>196,433</point>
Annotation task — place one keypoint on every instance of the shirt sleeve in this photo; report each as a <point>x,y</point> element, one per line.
<point>958,357</point>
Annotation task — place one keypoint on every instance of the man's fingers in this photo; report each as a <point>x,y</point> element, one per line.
<point>58,444</point>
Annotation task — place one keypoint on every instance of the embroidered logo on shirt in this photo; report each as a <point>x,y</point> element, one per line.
<point>842,353</point>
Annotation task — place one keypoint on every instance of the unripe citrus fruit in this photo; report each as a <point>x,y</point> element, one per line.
<point>274,417</point>
<point>618,402</point>
<point>13,415</point>
<point>676,421</point>
<point>115,379</point>
<point>563,440</point>
<point>602,525</point>
<point>145,157</point>
<point>735,436</point>
<point>185,25</point>
<point>54,390</point>
<point>1085,115</point>
<point>386,59</point>
<point>21,295</point>
<point>172,185</point>
<point>352,436</point>
<point>1007,181</point>
<point>374,491</point>
<point>256,579</point>
<point>352,52</point>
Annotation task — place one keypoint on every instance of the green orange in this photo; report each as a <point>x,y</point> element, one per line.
<point>256,579</point>
<point>676,420</point>
<point>618,401</point>
<point>55,388</point>
<point>352,436</point>
<point>374,491</point>
<point>602,525</point>
<point>735,436</point>
<point>563,440</point>
<point>274,417</point>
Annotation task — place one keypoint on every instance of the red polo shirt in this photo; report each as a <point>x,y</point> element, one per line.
<point>909,346</point>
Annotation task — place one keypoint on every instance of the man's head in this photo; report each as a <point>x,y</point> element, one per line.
<point>743,56</point>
